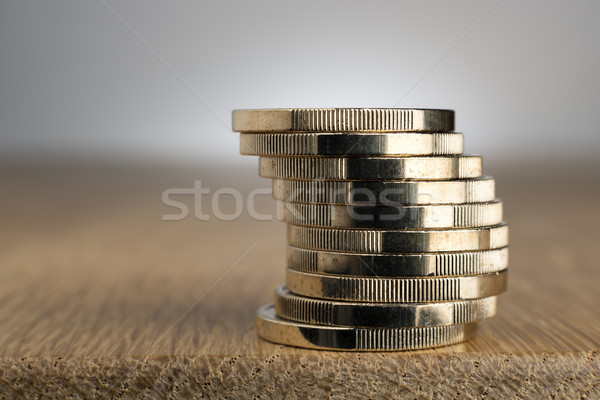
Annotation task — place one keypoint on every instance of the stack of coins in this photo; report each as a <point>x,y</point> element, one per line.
<point>395,239</point>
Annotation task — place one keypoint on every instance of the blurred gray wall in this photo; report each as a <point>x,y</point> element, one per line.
<point>76,82</point>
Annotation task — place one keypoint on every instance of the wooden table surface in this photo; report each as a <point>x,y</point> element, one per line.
<point>100,298</point>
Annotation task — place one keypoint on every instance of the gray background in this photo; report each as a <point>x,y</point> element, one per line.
<point>76,82</point>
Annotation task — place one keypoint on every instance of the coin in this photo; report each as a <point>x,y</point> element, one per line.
<point>395,239</point>
<point>371,168</point>
<point>478,190</point>
<point>397,265</point>
<point>343,119</point>
<point>340,144</point>
<point>381,315</point>
<point>398,241</point>
<point>395,290</point>
<point>277,330</point>
<point>394,217</point>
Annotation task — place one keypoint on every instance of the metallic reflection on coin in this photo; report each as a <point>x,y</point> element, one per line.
<point>343,120</point>
<point>459,263</point>
<point>371,168</point>
<point>476,190</point>
<point>381,315</point>
<point>363,144</point>
<point>290,333</point>
<point>394,216</point>
<point>398,241</point>
<point>395,290</point>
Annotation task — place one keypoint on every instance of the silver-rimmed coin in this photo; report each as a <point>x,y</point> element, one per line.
<point>343,120</point>
<point>398,241</point>
<point>397,265</point>
<point>477,190</point>
<point>394,217</point>
<point>351,144</point>
<point>290,333</point>
<point>371,168</point>
<point>381,315</point>
<point>395,290</point>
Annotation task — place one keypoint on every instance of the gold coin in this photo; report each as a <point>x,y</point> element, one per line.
<point>290,333</point>
<point>381,315</point>
<point>371,168</point>
<point>353,144</point>
<point>343,120</point>
<point>395,290</point>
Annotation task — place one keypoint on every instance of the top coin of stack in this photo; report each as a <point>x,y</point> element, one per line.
<point>395,239</point>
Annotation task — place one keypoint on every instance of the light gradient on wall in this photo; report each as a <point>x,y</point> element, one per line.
<point>76,82</point>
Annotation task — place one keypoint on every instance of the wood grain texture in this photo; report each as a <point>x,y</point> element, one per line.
<point>100,298</point>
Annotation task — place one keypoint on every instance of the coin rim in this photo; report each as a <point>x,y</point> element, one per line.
<point>391,241</point>
<point>382,168</point>
<point>327,262</point>
<point>395,290</point>
<point>417,216</point>
<point>333,144</point>
<point>340,313</point>
<point>330,191</point>
<point>343,119</point>
<point>275,329</point>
